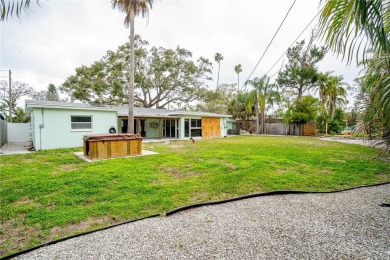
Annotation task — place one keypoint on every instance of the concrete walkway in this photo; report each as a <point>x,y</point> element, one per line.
<point>15,148</point>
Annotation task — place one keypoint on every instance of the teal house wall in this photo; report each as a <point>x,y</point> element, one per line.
<point>51,127</point>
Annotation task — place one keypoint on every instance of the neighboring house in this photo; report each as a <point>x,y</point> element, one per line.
<point>62,125</point>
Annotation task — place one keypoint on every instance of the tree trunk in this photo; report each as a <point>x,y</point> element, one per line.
<point>130,117</point>
<point>300,93</point>
<point>332,108</point>
<point>262,121</point>
<point>238,82</point>
<point>219,67</point>
<point>257,115</point>
<point>326,128</point>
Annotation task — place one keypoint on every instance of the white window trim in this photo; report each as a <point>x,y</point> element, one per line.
<point>190,127</point>
<point>81,130</point>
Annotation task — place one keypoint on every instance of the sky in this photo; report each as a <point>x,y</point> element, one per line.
<point>51,40</point>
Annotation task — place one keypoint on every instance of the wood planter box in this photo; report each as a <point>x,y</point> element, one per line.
<point>111,146</point>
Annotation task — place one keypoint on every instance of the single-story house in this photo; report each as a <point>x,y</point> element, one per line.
<point>63,125</point>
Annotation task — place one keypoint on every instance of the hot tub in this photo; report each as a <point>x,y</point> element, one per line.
<point>104,146</point>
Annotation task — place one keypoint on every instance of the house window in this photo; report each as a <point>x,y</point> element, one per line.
<point>81,122</point>
<point>193,127</point>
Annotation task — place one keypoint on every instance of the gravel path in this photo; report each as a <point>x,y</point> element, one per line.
<point>365,142</point>
<point>346,225</point>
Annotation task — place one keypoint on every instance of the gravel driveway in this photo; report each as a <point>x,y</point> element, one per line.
<point>345,225</point>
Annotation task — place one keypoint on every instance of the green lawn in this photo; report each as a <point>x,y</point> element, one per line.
<point>52,194</point>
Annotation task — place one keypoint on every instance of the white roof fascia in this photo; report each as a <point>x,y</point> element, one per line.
<point>33,105</point>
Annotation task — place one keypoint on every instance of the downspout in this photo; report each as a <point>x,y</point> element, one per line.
<point>40,130</point>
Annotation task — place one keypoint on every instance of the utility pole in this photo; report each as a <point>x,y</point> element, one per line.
<point>10,98</point>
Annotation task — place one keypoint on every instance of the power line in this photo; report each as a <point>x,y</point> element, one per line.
<point>271,40</point>
<point>294,42</point>
<point>277,71</point>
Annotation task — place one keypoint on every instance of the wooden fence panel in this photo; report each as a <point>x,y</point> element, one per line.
<point>309,129</point>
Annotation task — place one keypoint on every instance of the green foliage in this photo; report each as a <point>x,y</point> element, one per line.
<point>13,7</point>
<point>305,110</point>
<point>262,97</point>
<point>54,194</point>
<point>20,116</point>
<point>351,117</point>
<point>216,101</point>
<point>218,57</point>
<point>237,108</point>
<point>132,8</point>
<point>301,72</point>
<point>343,23</point>
<point>321,121</point>
<point>238,70</point>
<point>337,124</point>
<point>361,29</point>
<point>162,77</point>
<point>51,94</point>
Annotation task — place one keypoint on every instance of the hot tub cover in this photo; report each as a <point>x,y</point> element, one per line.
<point>111,137</point>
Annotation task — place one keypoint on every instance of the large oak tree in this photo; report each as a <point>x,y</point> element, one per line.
<point>163,77</point>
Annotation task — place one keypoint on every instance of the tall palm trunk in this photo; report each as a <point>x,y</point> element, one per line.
<point>257,114</point>
<point>219,67</point>
<point>130,117</point>
<point>238,81</point>
<point>262,120</point>
<point>332,108</point>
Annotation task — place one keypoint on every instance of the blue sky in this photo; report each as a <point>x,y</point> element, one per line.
<point>47,44</point>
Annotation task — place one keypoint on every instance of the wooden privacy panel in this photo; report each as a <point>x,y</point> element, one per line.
<point>309,129</point>
<point>102,150</point>
<point>211,127</point>
<point>118,148</point>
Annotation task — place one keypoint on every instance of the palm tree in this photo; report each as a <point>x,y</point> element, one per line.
<point>331,91</point>
<point>361,26</point>
<point>218,57</point>
<point>336,92</point>
<point>238,70</point>
<point>9,7</point>
<point>132,8</point>
<point>342,24</point>
<point>323,86</point>
<point>263,95</point>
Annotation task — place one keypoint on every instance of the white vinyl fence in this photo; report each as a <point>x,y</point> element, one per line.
<point>3,132</point>
<point>18,132</point>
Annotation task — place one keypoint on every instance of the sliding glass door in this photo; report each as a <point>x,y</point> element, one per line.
<point>170,128</point>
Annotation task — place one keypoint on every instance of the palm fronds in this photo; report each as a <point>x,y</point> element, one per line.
<point>355,27</point>
<point>8,8</point>
<point>133,8</point>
